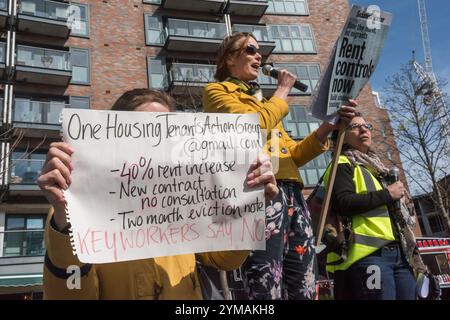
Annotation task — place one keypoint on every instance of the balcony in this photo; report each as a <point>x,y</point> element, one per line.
<point>2,59</point>
<point>261,34</point>
<point>41,119</point>
<point>188,79</point>
<point>44,17</point>
<point>44,66</point>
<point>24,173</point>
<point>194,36</point>
<point>21,260</point>
<point>210,6</point>
<point>255,8</point>
<point>3,13</point>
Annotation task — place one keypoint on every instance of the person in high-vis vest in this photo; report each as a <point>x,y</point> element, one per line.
<point>381,259</point>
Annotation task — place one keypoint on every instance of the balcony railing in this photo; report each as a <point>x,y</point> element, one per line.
<point>45,9</point>
<point>2,52</point>
<point>37,112</point>
<point>25,171</point>
<point>247,7</point>
<point>23,243</point>
<point>196,29</point>
<point>260,32</point>
<point>211,6</point>
<point>43,58</point>
<point>185,72</point>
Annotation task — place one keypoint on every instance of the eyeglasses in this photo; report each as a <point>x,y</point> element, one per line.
<point>354,126</point>
<point>251,50</point>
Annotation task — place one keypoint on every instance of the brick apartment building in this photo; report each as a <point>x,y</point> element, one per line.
<point>117,45</point>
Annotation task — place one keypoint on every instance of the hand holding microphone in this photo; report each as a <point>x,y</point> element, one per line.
<point>396,188</point>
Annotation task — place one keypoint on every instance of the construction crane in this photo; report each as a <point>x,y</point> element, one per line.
<point>431,91</point>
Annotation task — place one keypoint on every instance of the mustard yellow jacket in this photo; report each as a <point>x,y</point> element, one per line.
<point>173,278</point>
<point>228,97</point>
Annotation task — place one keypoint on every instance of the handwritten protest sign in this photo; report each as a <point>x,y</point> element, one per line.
<point>157,184</point>
<point>352,62</point>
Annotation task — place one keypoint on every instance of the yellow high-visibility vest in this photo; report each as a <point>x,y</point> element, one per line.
<point>371,230</point>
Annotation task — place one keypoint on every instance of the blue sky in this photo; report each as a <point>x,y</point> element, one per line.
<point>405,36</point>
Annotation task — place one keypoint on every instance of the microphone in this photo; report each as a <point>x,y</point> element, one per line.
<point>394,176</point>
<point>270,71</point>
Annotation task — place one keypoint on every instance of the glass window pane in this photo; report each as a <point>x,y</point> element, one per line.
<point>300,7</point>
<point>304,130</point>
<point>53,112</point>
<point>35,223</point>
<point>295,32</point>
<point>306,32</point>
<point>312,176</point>
<point>304,176</point>
<point>286,45</point>
<point>300,114</point>
<point>79,58</point>
<point>284,31</point>
<point>302,72</point>
<point>79,102</point>
<point>15,223</point>
<point>313,126</point>
<point>152,22</point>
<point>314,72</point>
<point>13,243</point>
<point>274,31</point>
<point>80,74</point>
<point>297,45</point>
<point>34,243</point>
<point>289,6</point>
<point>278,46</point>
<point>279,6</point>
<point>309,46</point>
<point>292,127</point>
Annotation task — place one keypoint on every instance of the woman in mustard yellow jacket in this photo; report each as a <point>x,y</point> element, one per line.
<point>285,269</point>
<point>173,277</point>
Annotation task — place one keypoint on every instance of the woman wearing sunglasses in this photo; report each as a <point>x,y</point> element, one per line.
<point>381,254</point>
<point>285,269</point>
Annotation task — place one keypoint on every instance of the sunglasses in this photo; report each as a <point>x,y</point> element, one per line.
<point>251,50</point>
<point>354,126</point>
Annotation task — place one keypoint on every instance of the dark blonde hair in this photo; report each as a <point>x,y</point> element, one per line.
<point>132,99</point>
<point>226,50</point>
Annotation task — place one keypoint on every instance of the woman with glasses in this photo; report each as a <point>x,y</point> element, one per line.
<point>379,216</point>
<point>285,269</point>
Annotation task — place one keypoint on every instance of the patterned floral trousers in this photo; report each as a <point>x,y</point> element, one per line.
<point>285,270</point>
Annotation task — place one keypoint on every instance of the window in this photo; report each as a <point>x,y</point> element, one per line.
<point>24,235</point>
<point>436,224</point>
<point>152,1</point>
<point>306,73</point>
<point>80,102</point>
<point>26,167</point>
<point>154,34</point>
<point>157,75</point>
<point>79,16</point>
<point>315,169</point>
<point>299,124</point>
<point>80,66</point>
<point>291,7</point>
<point>292,38</point>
